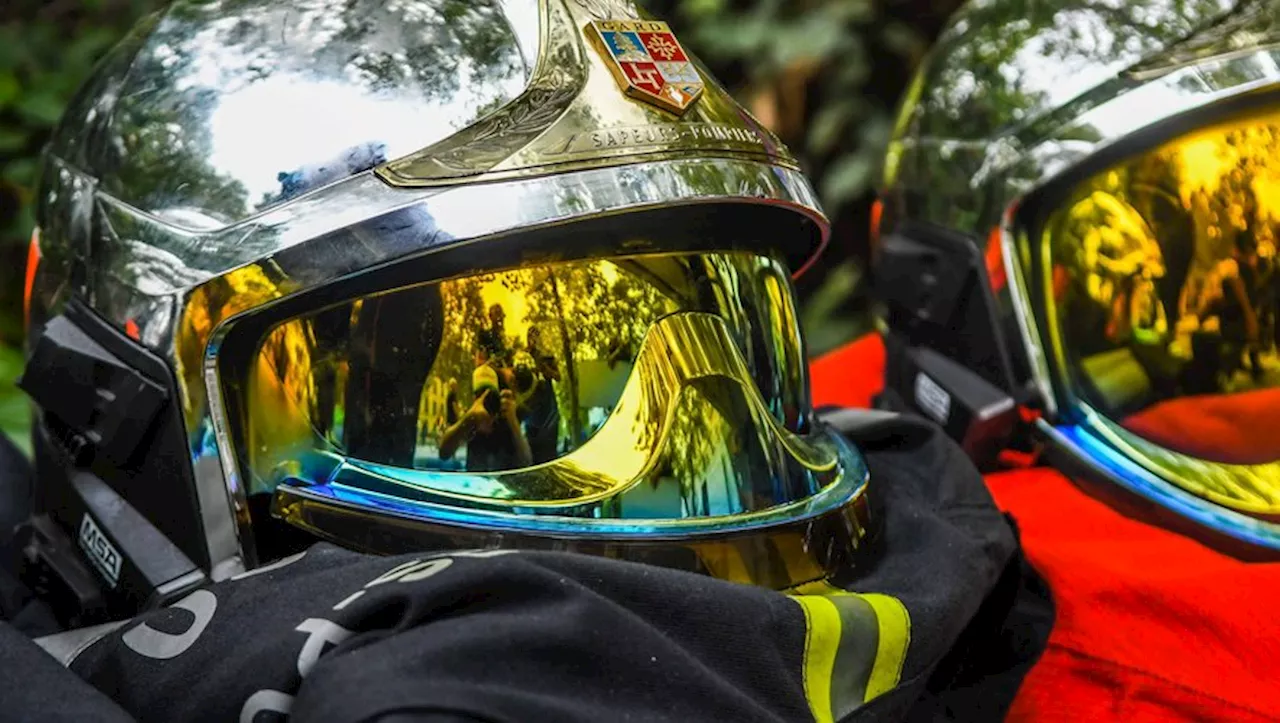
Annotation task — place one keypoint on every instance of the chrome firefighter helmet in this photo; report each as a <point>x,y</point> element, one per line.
<point>1077,236</point>
<point>418,274</point>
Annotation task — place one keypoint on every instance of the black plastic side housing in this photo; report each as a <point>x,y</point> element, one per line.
<point>946,357</point>
<point>980,417</point>
<point>933,283</point>
<point>115,524</point>
<point>94,557</point>
<point>110,405</point>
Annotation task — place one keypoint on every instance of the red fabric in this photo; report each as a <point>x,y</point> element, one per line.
<point>850,375</point>
<point>1151,626</point>
<point>995,261</point>
<point>1237,428</point>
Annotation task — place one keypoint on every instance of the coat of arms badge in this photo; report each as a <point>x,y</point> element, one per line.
<point>648,62</point>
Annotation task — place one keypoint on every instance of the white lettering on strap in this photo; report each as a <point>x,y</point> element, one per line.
<point>425,570</point>
<point>146,640</point>
<point>322,633</point>
<point>412,571</point>
<point>319,631</point>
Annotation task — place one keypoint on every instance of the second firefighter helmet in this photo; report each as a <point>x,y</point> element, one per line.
<point>1078,235</point>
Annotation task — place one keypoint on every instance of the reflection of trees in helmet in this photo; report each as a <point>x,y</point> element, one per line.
<point>983,85</point>
<point>588,316</point>
<point>1235,171</point>
<point>163,149</point>
<point>598,313</point>
<point>703,448</point>
<point>1011,67</point>
<point>201,55</point>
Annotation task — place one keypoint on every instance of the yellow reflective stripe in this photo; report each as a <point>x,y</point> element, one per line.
<point>891,652</point>
<point>822,638</point>
<point>842,640</point>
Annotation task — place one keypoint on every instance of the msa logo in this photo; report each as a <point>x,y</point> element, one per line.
<point>104,555</point>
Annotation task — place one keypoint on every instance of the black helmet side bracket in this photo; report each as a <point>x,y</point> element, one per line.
<point>115,526</point>
<point>946,358</point>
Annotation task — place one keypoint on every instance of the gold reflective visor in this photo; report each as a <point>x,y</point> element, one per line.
<point>1161,293</point>
<point>633,398</point>
<point>610,491</point>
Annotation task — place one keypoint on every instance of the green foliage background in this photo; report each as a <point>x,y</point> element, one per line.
<point>831,72</point>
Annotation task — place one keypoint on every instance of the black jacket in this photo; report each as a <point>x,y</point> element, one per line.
<point>944,620</point>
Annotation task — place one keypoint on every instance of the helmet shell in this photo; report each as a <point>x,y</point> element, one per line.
<point>206,170</point>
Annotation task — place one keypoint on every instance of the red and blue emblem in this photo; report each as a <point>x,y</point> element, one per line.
<point>648,62</point>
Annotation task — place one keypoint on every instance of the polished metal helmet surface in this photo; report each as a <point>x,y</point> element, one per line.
<point>980,128</point>
<point>203,171</point>
<point>1048,136</point>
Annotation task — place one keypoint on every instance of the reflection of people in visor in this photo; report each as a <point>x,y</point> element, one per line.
<point>490,429</point>
<point>1230,314</point>
<point>535,375</point>
<point>493,338</point>
<point>1174,336</point>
